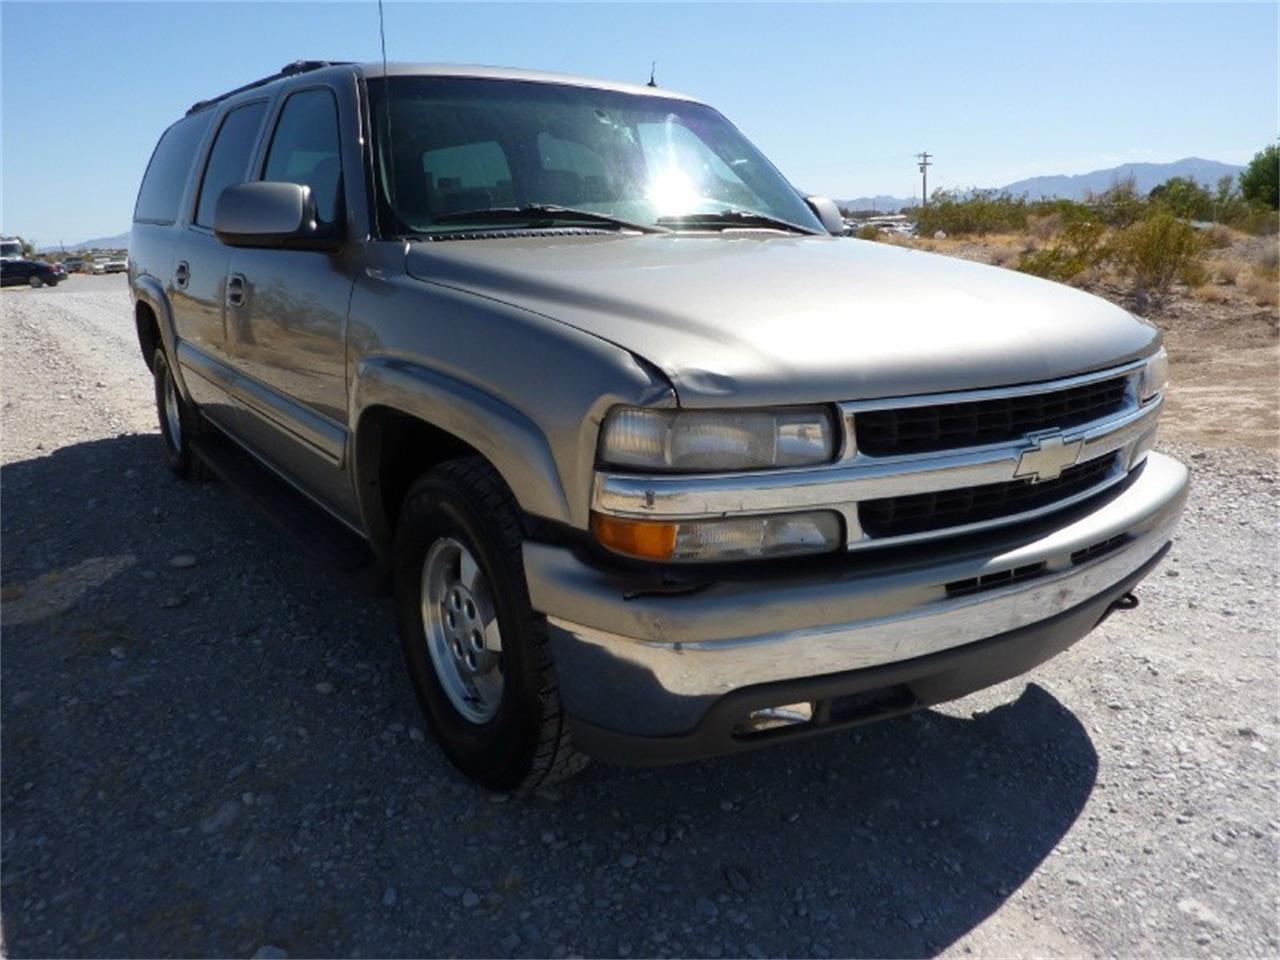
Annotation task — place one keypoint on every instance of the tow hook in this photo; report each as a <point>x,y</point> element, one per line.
<point>1127,602</point>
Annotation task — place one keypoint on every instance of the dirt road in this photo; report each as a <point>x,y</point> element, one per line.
<point>209,747</point>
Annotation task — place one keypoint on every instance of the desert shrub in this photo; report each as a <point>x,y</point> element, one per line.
<point>1260,182</point>
<point>1268,265</point>
<point>1193,273</point>
<point>1257,220</point>
<point>1183,197</point>
<point>1044,226</point>
<point>1228,204</point>
<point>1153,252</point>
<point>1207,294</point>
<point>1119,206</point>
<point>1264,291</point>
<point>1080,247</point>
<point>1226,273</point>
<point>868,232</point>
<point>1219,237</point>
<point>977,213</point>
<point>1069,210</point>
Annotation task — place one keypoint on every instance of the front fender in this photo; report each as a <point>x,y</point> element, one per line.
<point>502,434</point>
<point>522,389</point>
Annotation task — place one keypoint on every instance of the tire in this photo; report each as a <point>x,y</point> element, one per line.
<point>178,423</point>
<point>517,739</point>
<point>36,283</point>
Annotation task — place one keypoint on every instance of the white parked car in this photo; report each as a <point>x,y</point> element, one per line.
<point>110,264</point>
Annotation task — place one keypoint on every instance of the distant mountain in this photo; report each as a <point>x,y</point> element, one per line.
<point>881,202</point>
<point>119,242</point>
<point>1145,176</point>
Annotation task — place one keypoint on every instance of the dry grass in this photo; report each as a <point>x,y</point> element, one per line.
<point>1046,227</point>
<point>1208,294</point>
<point>1226,272</point>
<point>1268,264</point>
<point>1263,290</point>
<point>899,240</point>
<point>1220,237</point>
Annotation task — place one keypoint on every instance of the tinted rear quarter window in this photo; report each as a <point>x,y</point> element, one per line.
<point>229,158</point>
<point>161,192</point>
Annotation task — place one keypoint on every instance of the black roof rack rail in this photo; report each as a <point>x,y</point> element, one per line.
<point>288,70</point>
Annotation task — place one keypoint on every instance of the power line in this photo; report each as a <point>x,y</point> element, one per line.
<point>923,157</point>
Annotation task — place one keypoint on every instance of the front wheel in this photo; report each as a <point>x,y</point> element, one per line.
<point>477,654</point>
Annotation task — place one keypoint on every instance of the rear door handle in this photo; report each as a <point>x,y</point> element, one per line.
<point>182,275</point>
<point>235,290</point>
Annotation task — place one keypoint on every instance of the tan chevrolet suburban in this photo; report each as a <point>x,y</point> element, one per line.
<point>656,466</point>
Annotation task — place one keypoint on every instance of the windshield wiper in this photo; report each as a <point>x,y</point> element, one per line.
<point>542,213</point>
<point>733,218</point>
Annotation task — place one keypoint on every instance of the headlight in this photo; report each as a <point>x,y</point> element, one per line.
<point>732,538</point>
<point>1154,376</point>
<point>711,441</point>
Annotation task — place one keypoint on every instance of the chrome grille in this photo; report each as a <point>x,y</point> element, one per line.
<point>1002,449</point>
<point>951,426</point>
<point>927,512</point>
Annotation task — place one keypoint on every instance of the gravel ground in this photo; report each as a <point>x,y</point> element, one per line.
<point>210,747</point>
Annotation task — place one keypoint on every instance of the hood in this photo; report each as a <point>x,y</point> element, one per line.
<point>758,319</point>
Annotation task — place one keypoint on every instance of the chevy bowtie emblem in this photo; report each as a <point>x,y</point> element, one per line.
<point>1047,456</point>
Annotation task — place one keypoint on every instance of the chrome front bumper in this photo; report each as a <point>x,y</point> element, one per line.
<point>653,663</point>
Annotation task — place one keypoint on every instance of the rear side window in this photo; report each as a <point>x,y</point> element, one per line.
<point>166,176</point>
<point>229,159</point>
<point>304,150</point>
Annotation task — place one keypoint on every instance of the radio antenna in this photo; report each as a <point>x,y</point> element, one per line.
<point>653,69</point>
<point>386,100</point>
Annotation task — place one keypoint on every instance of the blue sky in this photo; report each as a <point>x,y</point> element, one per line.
<point>839,96</point>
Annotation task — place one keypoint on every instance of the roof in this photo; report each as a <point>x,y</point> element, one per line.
<point>376,69</point>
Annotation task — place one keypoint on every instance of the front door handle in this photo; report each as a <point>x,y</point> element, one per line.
<point>235,290</point>
<point>182,275</point>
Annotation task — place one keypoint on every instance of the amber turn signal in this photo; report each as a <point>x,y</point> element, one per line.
<point>647,539</point>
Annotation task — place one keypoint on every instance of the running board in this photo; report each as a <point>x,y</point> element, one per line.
<point>321,537</point>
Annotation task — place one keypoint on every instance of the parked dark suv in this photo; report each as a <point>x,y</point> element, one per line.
<point>36,273</point>
<point>657,467</point>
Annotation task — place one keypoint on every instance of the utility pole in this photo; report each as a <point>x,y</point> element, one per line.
<point>924,176</point>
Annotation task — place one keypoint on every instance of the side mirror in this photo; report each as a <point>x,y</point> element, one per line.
<point>827,211</point>
<point>267,214</point>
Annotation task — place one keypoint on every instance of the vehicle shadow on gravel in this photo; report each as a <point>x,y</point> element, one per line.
<point>209,747</point>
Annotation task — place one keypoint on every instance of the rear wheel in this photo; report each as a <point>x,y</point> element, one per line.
<point>36,283</point>
<point>477,654</point>
<point>178,422</point>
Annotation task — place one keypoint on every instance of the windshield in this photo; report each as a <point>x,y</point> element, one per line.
<point>11,250</point>
<point>472,144</point>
